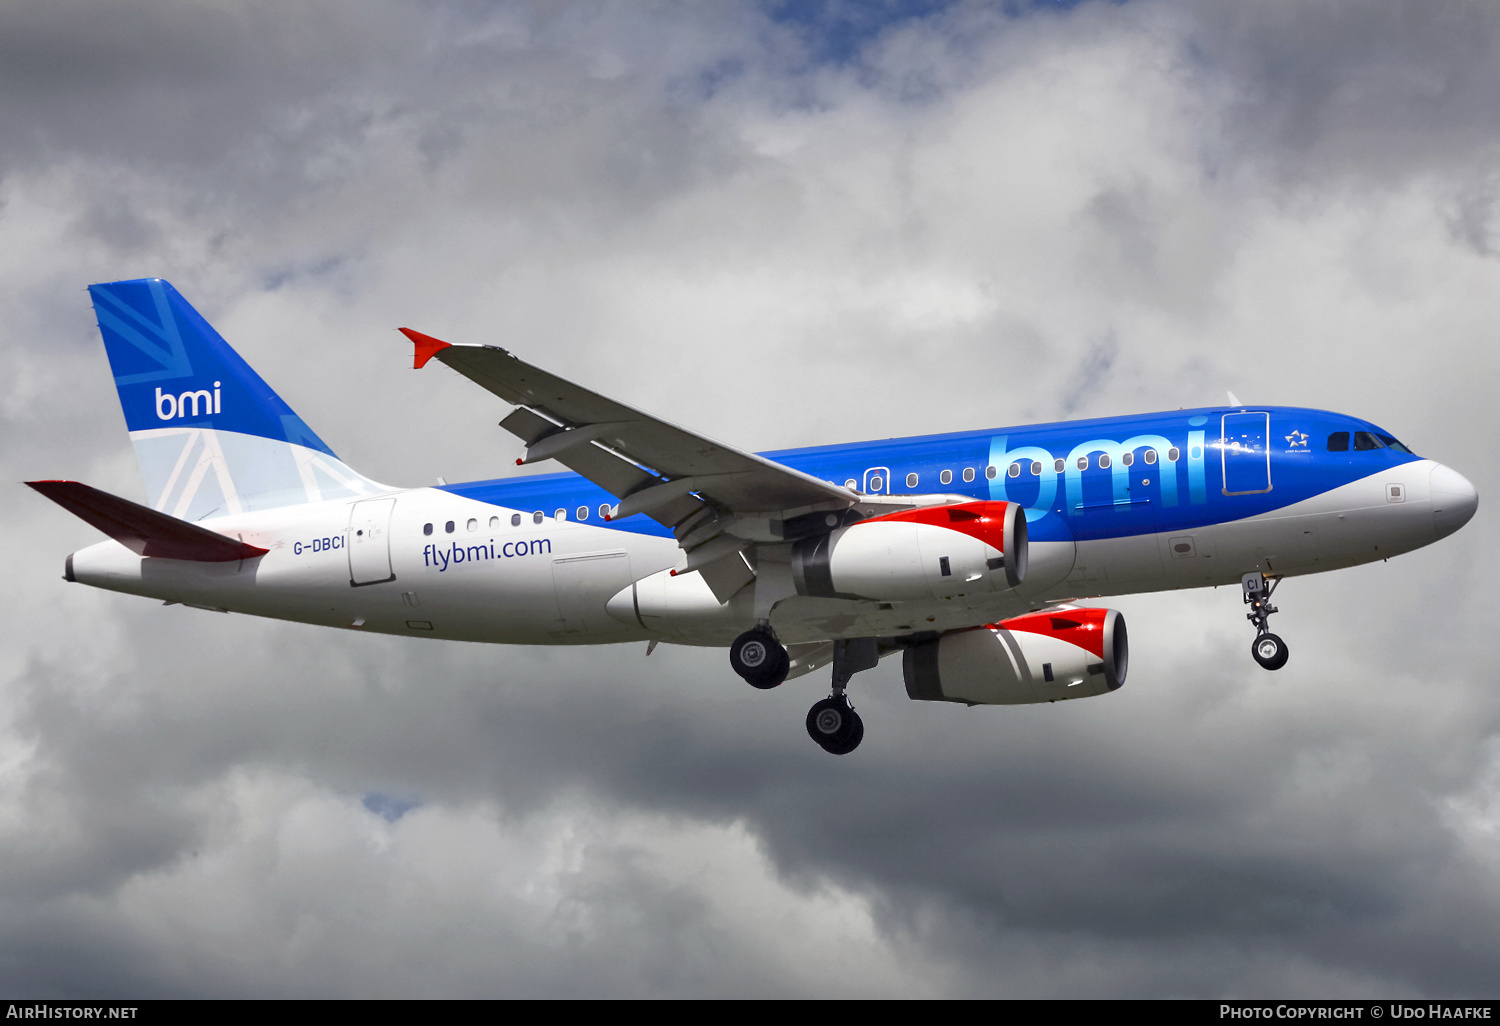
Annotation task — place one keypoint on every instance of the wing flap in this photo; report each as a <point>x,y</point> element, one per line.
<point>727,575</point>
<point>142,530</point>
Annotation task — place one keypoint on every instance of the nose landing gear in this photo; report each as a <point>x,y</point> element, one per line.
<point>1268,650</point>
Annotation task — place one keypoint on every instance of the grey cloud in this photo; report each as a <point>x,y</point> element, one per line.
<point>1348,89</point>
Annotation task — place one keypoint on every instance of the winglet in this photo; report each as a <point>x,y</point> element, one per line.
<point>427,347</point>
<point>142,530</point>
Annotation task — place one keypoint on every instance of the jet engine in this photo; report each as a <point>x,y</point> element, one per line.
<point>1039,657</point>
<point>936,552</point>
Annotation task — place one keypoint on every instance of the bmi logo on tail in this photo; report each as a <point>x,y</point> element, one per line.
<point>170,406</point>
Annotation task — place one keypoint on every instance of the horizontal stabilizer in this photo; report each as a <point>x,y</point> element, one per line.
<point>142,530</point>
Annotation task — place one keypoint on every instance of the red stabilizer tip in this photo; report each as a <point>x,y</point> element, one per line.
<point>427,347</point>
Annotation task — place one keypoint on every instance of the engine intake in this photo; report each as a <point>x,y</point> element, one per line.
<point>1040,657</point>
<point>971,548</point>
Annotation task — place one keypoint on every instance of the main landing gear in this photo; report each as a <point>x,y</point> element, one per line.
<point>833,723</point>
<point>1268,650</point>
<point>764,662</point>
<point>758,657</point>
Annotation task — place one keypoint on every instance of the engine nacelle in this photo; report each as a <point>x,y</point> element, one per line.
<point>972,548</point>
<point>1039,657</point>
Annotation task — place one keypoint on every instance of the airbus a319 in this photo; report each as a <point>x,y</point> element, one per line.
<point>967,554</point>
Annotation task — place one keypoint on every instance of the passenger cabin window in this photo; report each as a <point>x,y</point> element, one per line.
<point>583,513</point>
<point>990,472</point>
<point>1057,466</point>
<point>911,480</point>
<point>1150,455</point>
<point>536,518</point>
<point>1172,454</point>
<point>561,514</point>
<point>1014,471</point>
<point>604,510</point>
<point>877,483</point>
<point>515,520</point>
<point>946,477</point>
<point>473,524</point>
<point>426,528</point>
<point>494,523</point>
<point>851,483</point>
<point>1104,461</point>
<point>1365,441</point>
<point>1083,463</point>
<point>1036,468</point>
<point>448,527</point>
<point>968,473</point>
<point>1128,458</point>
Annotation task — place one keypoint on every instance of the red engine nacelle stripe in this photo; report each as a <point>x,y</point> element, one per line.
<point>983,520</point>
<point>1081,627</point>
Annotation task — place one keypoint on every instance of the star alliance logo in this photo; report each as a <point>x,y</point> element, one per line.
<point>1297,440</point>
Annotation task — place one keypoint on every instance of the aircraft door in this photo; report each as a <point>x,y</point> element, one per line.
<point>369,542</point>
<point>1246,453</point>
<point>877,481</point>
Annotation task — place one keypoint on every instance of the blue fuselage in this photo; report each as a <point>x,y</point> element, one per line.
<point>1082,480</point>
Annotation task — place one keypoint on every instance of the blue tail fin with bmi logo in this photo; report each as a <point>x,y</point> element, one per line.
<point>211,436</point>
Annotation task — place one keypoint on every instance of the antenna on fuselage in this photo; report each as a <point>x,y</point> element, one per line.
<point>1232,400</point>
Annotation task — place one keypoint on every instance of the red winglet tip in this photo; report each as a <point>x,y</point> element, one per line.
<point>672,573</point>
<point>520,462</point>
<point>427,347</point>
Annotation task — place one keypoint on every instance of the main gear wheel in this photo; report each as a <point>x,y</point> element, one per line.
<point>834,725</point>
<point>758,657</point>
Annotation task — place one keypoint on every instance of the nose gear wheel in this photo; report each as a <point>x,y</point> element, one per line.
<point>1269,650</point>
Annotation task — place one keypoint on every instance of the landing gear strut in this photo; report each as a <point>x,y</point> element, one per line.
<point>833,723</point>
<point>758,657</point>
<point>1268,650</point>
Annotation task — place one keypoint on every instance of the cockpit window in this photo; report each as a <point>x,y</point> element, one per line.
<point>1388,440</point>
<point>1338,441</point>
<point>1364,441</point>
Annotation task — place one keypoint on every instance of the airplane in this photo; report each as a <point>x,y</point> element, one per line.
<point>966,553</point>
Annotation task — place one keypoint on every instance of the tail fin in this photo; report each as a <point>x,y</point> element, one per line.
<point>211,437</point>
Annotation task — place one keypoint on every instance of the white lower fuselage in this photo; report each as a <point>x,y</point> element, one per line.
<point>553,582</point>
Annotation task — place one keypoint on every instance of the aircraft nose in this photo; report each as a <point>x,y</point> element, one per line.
<point>1454,500</point>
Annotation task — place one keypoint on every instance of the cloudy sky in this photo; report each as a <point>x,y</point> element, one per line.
<point>781,225</point>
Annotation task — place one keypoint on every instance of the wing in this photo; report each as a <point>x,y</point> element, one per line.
<point>717,499</point>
